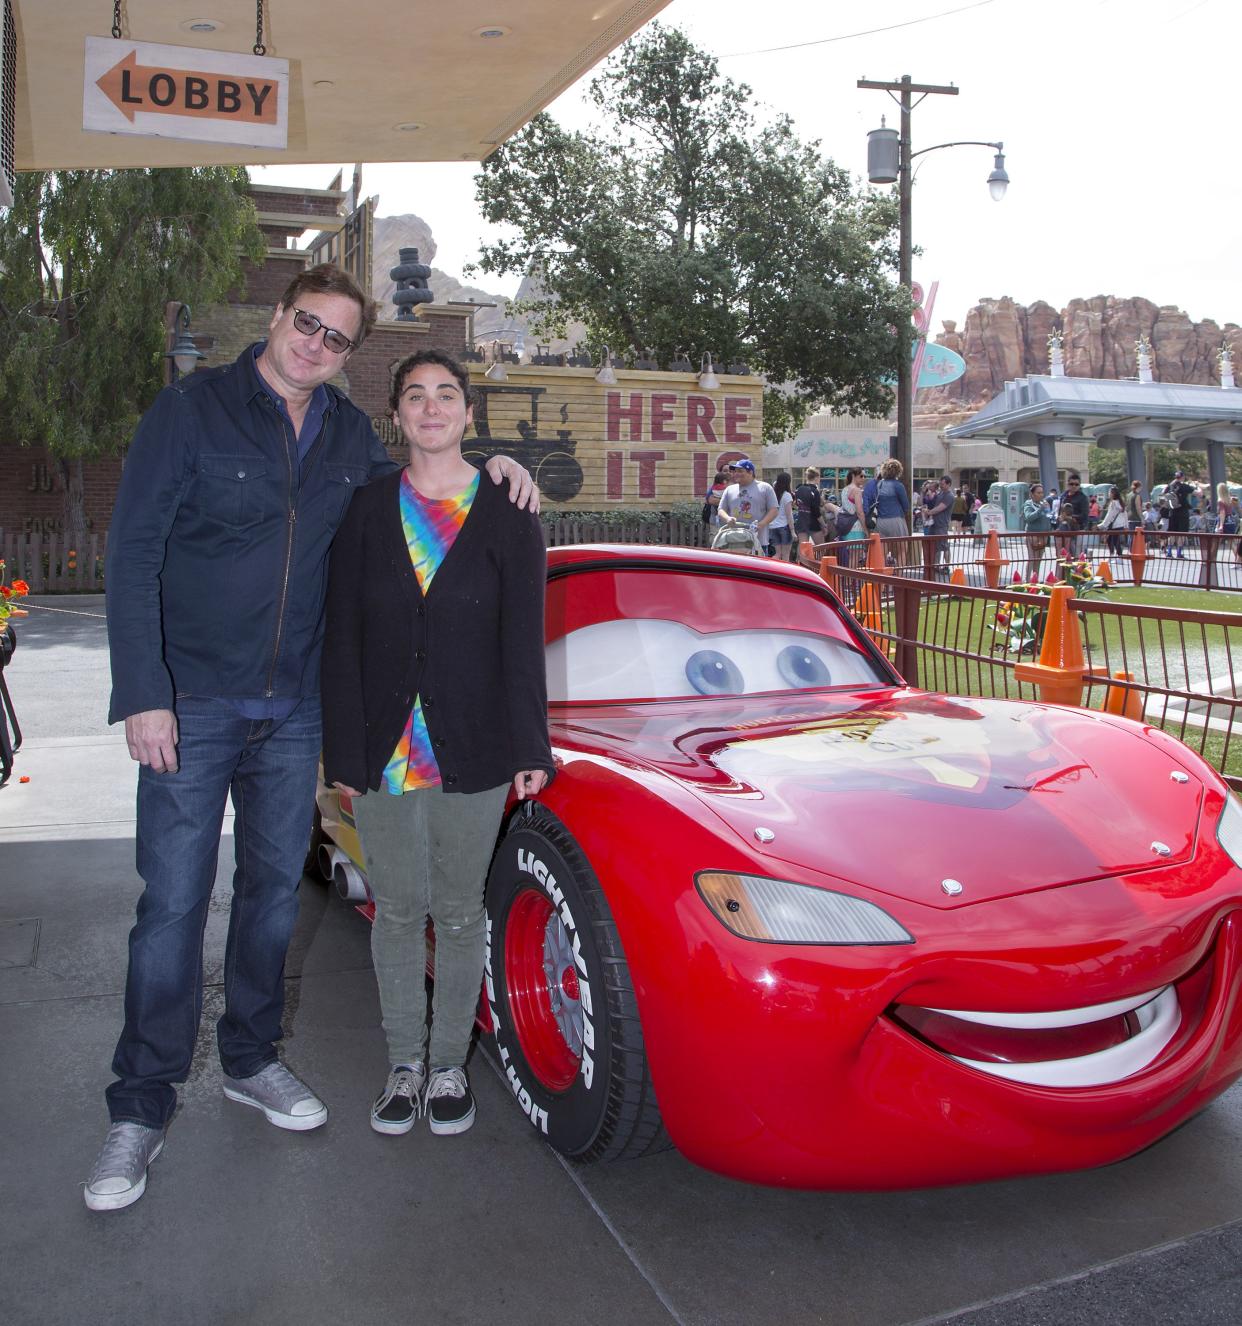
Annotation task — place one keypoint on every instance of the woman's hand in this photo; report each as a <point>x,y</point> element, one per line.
<point>530,782</point>
<point>346,791</point>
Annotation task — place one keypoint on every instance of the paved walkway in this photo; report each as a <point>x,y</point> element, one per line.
<point>245,1224</point>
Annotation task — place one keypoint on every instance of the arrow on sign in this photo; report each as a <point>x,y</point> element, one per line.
<point>132,87</point>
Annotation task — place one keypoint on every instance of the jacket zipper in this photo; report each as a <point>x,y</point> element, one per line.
<point>284,587</point>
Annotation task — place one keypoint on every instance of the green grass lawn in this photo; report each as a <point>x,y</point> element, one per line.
<point>964,650</point>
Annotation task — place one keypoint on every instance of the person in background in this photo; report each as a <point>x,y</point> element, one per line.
<point>850,518</point>
<point>808,499</point>
<point>927,497</point>
<point>1037,524</point>
<point>1134,505</point>
<point>1113,521</point>
<point>435,593</point>
<point>1226,521</point>
<point>1177,498</point>
<point>748,500</point>
<point>960,509</point>
<point>711,499</point>
<point>780,531</point>
<point>892,502</point>
<point>940,510</point>
<point>1072,517</point>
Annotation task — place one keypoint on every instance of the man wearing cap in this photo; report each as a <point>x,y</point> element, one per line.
<point>749,500</point>
<point>1178,495</point>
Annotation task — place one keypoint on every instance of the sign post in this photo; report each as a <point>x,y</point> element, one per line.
<point>134,87</point>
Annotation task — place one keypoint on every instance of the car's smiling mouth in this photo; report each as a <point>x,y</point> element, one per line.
<point>1078,1047</point>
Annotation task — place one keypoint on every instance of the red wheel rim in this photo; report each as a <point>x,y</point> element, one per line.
<point>537,986</point>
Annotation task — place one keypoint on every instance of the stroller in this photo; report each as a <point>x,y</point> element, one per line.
<point>736,538</point>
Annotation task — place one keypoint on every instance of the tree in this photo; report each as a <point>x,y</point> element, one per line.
<point>88,259</point>
<point>685,226</point>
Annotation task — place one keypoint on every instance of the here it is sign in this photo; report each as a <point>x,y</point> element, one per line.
<point>185,92</point>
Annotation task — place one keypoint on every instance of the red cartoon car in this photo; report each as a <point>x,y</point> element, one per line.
<point>821,930</point>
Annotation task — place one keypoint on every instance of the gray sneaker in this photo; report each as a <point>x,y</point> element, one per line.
<point>284,1099</point>
<point>120,1174</point>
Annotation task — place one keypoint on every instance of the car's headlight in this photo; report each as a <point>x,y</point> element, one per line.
<point>1229,828</point>
<point>779,912</point>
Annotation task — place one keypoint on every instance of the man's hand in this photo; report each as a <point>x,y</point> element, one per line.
<point>346,791</point>
<point>522,488</point>
<point>152,739</point>
<point>530,782</point>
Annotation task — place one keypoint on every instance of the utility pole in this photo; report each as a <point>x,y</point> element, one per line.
<point>902,92</point>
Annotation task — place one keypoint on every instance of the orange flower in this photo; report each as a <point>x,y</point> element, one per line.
<point>20,587</point>
<point>25,778</point>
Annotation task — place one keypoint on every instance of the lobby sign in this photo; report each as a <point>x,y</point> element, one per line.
<point>185,92</point>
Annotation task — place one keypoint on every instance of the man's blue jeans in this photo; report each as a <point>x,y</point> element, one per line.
<point>270,767</point>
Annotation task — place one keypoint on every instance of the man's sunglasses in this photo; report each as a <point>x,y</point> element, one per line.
<point>309,325</point>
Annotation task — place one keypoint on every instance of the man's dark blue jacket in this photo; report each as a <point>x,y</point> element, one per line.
<point>218,549</point>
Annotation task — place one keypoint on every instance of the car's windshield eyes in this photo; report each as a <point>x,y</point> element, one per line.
<point>645,658</point>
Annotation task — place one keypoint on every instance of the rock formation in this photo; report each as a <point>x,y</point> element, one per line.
<point>1003,340</point>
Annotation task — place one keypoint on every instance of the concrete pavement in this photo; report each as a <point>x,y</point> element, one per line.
<point>244,1223</point>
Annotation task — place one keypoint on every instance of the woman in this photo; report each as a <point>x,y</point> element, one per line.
<point>849,524</point>
<point>780,531</point>
<point>1226,521</point>
<point>960,508</point>
<point>1037,522</point>
<point>434,705</point>
<point>1113,521</point>
<point>892,502</point>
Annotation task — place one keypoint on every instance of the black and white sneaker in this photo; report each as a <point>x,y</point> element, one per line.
<point>450,1104</point>
<point>399,1105</point>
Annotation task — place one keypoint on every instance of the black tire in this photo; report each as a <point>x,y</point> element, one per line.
<point>597,1103</point>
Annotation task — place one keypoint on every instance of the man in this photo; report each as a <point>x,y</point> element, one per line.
<point>1072,516</point>
<point>1178,497</point>
<point>941,511</point>
<point>749,500</point>
<point>232,491</point>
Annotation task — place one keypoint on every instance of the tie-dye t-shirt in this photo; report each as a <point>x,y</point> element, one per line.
<point>430,527</point>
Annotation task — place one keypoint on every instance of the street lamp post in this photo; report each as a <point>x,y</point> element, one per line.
<point>889,160</point>
<point>182,356</point>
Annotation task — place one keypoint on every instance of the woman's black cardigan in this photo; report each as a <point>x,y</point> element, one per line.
<point>472,649</point>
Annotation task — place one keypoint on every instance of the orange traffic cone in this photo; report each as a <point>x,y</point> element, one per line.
<point>1059,673</point>
<point>828,573</point>
<point>1104,572</point>
<point>1138,555</point>
<point>869,610</point>
<point>875,554</point>
<point>957,576</point>
<point>991,561</point>
<point>1123,700</point>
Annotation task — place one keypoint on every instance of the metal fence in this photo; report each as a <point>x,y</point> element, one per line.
<point>668,530</point>
<point>1178,669</point>
<point>1190,561</point>
<point>51,564</point>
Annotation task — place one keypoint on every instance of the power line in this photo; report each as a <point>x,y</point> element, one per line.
<point>868,32</point>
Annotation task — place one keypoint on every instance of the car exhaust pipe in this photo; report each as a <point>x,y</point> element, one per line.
<point>350,882</point>
<point>325,861</point>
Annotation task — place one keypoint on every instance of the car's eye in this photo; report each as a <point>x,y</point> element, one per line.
<point>713,673</point>
<point>799,667</point>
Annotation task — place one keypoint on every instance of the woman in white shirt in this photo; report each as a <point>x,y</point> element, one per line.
<point>780,531</point>
<point>1113,521</point>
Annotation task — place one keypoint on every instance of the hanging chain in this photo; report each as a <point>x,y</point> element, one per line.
<point>259,48</point>
<point>116,19</point>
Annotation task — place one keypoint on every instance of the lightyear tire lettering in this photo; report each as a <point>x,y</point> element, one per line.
<point>562,1005</point>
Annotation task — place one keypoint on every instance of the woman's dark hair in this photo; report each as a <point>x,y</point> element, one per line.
<point>1114,494</point>
<point>781,486</point>
<point>438,357</point>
